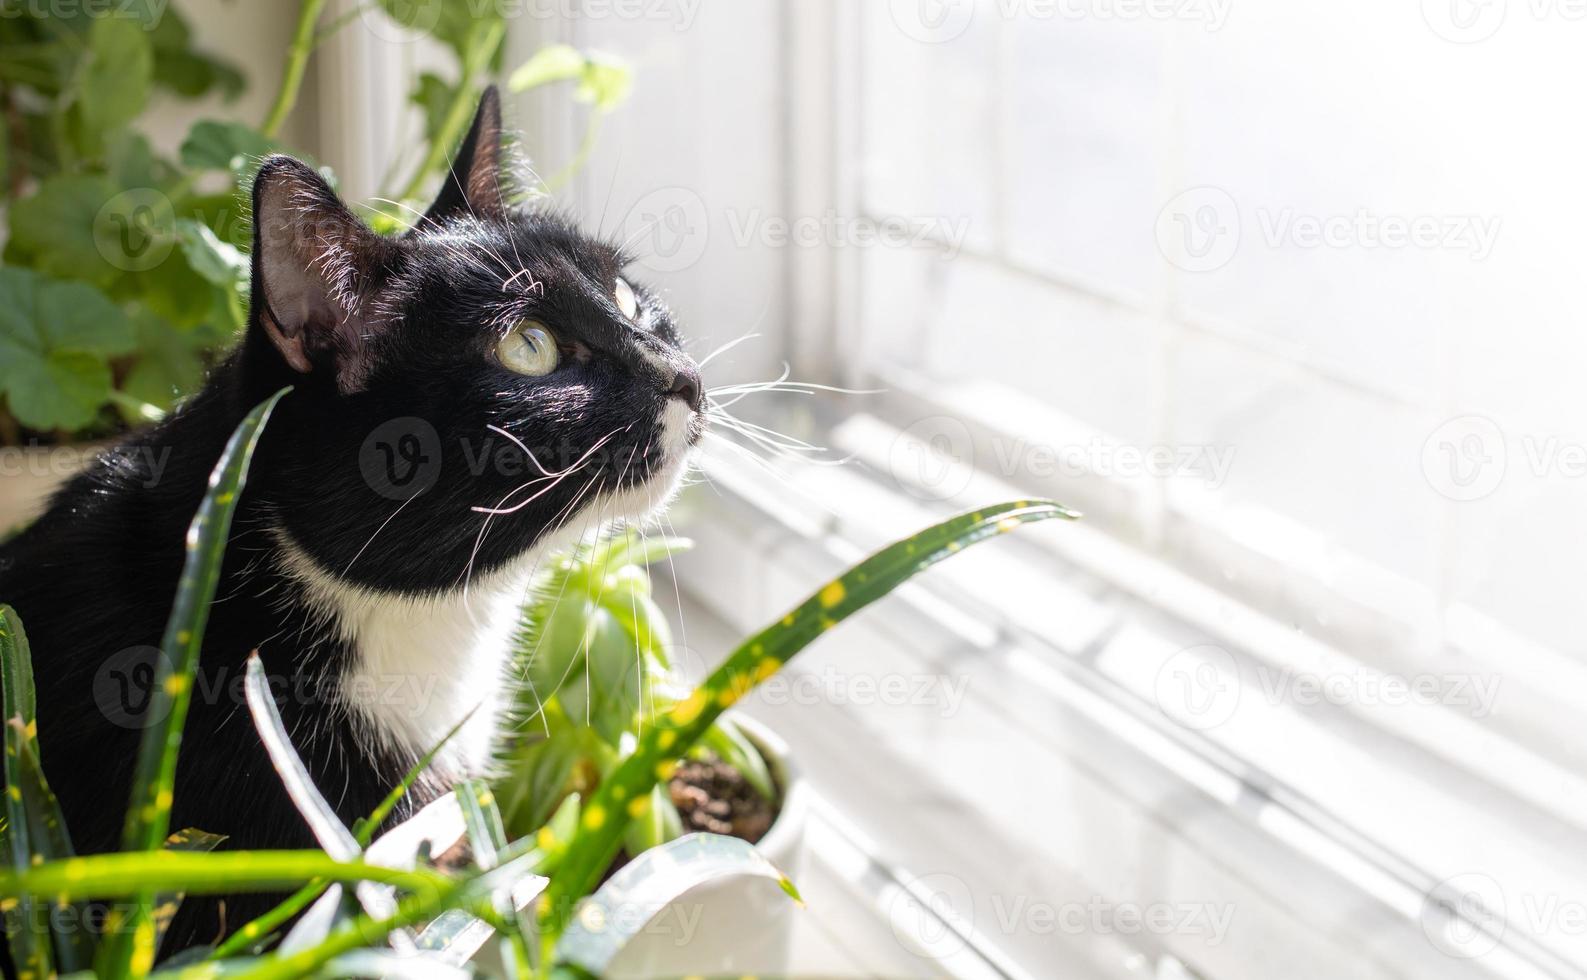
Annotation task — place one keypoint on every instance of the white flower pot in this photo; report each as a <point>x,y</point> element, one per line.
<point>733,926</point>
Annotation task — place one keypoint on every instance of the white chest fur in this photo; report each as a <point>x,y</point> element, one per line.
<point>422,664</point>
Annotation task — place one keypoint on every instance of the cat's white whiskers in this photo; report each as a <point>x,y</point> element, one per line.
<point>372,537</point>
<point>527,678</point>
<point>573,466</point>
<point>519,443</point>
<point>707,359</point>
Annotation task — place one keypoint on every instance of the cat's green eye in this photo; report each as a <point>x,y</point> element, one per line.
<point>627,302</point>
<point>528,348</point>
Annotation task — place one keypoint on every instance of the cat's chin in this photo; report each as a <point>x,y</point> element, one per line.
<point>637,504</point>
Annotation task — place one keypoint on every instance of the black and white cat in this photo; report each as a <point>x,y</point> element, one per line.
<point>465,396</point>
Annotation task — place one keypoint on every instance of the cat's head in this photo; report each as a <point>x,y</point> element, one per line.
<point>465,390</point>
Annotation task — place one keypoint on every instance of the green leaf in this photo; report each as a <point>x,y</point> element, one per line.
<point>130,874</point>
<point>149,810</point>
<point>656,824</point>
<point>606,82</point>
<point>170,362</point>
<point>215,145</point>
<point>132,163</point>
<point>541,774</point>
<point>363,831</point>
<point>327,828</point>
<point>219,262</point>
<point>457,25</point>
<point>759,657</point>
<point>606,923</point>
<point>74,948</point>
<point>54,341</point>
<point>172,289</point>
<point>64,391</point>
<point>616,678</point>
<point>190,75</point>
<point>167,903</point>
<point>454,937</point>
<point>114,79</point>
<point>434,97</point>
<point>554,655</point>
<point>731,745</point>
<point>27,929</point>
<point>181,69</point>
<point>68,225</point>
<point>634,549</point>
<point>552,63</point>
<point>640,616</point>
<point>486,835</point>
<point>603,80</point>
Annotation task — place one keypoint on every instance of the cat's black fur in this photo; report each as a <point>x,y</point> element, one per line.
<point>370,467</point>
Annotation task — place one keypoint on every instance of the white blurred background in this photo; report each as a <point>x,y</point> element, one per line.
<point>1283,295</point>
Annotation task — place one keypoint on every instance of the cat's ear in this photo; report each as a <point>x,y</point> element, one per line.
<point>474,184</point>
<point>314,265</point>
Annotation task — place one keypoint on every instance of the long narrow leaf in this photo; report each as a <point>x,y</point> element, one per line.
<point>364,831</point>
<point>366,828</point>
<point>166,903</point>
<point>470,893</point>
<point>74,948</point>
<point>456,936</point>
<point>625,794</point>
<point>327,828</point>
<point>129,945</point>
<point>27,928</point>
<point>649,882</point>
<point>136,872</point>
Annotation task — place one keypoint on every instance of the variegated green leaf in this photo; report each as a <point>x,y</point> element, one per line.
<point>129,944</point>
<point>605,923</point>
<point>27,925</point>
<point>47,832</point>
<point>167,903</point>
<point>734,748</point>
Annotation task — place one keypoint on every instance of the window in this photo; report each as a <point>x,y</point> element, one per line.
<point>1283,297</point>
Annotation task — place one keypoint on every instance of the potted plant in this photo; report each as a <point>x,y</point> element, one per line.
<point>540,895</point>
<point>595,666</point>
